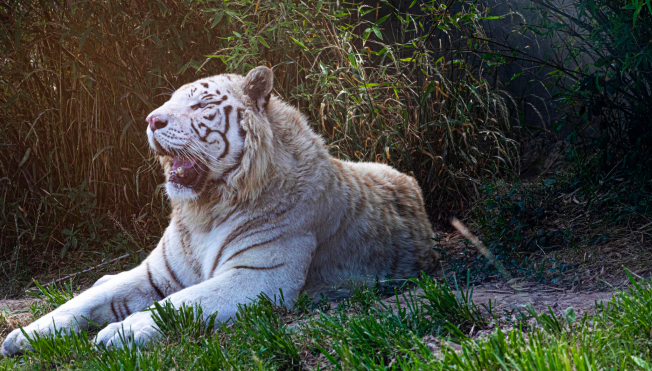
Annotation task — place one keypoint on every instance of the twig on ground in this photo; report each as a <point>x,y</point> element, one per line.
<point>89,269</point>
<point>483,250</point>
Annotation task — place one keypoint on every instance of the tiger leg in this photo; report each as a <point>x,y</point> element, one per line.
<point>238,283</point>
<point>112,301</point>
<point>103,279</point>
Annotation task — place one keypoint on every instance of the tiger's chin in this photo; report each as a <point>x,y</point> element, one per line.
<point>186,178</point>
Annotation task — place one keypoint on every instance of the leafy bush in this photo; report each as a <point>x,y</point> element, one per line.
<point>532,228</point>
<point>603,75</point>
<point>413,104</point>
<point>71,145</point>
<point>513,222</point>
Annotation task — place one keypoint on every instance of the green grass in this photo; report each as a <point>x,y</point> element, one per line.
<point>365,333</point>
<point>51,297</point>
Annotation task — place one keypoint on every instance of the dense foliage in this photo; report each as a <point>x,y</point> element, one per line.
<point>604,75</point>
<point>79,78</point>
<point>600,70</point>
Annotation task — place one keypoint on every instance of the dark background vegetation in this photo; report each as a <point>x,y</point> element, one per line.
<point>423,86</point>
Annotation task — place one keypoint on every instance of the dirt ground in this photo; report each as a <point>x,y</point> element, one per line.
<point>14,313</point>
<point>540,296</point>
<point>505,297</point>
<point>13,306</point>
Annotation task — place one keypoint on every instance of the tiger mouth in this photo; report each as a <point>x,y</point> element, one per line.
<point>187,172</point>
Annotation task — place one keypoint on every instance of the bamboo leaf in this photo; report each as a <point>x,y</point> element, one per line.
<point>377,32</point>
<point>83,37</point>
<point>162,7</point>
<point>155,39</point>
<point>25,157</point>
<point>299,43</point>
<point>100,152</point>
<point>64,250</point>
<point>352,60</point>
<point>366,33</point>
<point>381,20</point>
<point>18,33</point>
<point>216,18</point>
<point>142,26</point>
<point>263,41</point>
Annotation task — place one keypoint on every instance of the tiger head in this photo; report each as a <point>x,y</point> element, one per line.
<point>209,129</point>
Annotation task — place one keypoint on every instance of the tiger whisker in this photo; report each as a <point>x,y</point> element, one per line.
<point>204,155</point>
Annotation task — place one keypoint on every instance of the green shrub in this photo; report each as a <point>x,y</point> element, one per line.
<point>603,75</point>
<point>527,224</point>
<point>511,221</point>
<point>426,111</point>
<point>603,82</point>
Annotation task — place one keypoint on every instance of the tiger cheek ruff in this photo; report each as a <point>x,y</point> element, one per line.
<point>258,205</point>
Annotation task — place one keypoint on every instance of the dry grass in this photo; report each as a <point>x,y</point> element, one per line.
<point>14,314</point>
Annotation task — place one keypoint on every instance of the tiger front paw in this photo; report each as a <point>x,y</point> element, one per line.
<point>17,343</point>
<point>137,329</point>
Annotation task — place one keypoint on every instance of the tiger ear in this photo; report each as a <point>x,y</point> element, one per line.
<point>258,86</point>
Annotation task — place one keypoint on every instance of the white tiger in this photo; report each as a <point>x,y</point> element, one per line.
<point>258,205</point>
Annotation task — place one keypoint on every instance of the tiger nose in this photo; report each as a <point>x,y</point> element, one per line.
<point>155,123</point>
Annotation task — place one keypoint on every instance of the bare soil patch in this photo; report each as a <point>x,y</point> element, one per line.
<point>14,313</point>
<point>506,297</point>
